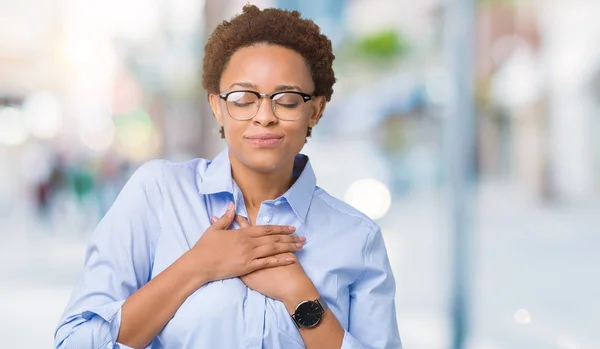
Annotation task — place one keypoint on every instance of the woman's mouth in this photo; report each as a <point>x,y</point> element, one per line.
<point>264,140</point>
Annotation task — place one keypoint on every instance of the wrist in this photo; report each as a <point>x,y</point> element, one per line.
<point>195,274</point>
<point>305,292</point>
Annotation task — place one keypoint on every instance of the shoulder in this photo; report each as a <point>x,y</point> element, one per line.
<point>343,214</point>
<point>349,232</point>
<point>163,172</point>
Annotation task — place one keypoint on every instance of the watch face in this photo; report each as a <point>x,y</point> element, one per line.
<point>308,314</point>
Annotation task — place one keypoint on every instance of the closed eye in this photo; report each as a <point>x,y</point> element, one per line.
<point>290,106</point>
<point>242,105</point>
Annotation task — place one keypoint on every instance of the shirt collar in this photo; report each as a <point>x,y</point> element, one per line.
<point>217,179</point>
<point>300,195</point>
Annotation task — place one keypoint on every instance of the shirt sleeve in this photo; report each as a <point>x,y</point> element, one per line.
<point>118,262</point>
<point>372,320</point>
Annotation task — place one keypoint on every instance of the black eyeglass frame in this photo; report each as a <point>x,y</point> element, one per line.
<point>305,97</point>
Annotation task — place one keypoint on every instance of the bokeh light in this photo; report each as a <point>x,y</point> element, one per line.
<point>370,196</point>
<point>136,138</point>
<point>522,317</point>
<point>42,115</point>
<point>133,129</point>
<point>12,127</point>
<point>98,138</point>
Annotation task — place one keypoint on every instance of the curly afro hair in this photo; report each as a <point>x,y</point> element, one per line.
<point>274,27</point>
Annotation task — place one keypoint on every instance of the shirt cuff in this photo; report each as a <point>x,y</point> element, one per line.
<point>350,342</point>
<point>111,313</point>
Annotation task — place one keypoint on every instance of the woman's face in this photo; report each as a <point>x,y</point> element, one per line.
<point>266,143</point>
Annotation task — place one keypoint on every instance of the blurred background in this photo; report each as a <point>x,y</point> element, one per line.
<point>89,90</point>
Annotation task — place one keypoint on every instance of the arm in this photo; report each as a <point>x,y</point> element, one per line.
<point>116,302</point>
<point>148,310</point>
<point>372,316</point>
<point>372,320</point>
<point>118,262</point>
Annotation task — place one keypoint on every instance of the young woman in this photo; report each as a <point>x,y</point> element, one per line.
<point>243,251</point>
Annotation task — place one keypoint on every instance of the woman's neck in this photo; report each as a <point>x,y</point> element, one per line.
<point>258,187</point>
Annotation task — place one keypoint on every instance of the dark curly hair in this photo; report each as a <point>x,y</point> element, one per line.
<point>271,26</point>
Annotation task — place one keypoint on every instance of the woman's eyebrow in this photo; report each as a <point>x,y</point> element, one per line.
<point>287,88</point>
<point>244,85</point>
<point>278,88</point>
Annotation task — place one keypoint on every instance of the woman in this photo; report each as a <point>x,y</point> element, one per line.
<point>243,251</point>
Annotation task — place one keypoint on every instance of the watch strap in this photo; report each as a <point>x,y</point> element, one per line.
<point>322,304</point>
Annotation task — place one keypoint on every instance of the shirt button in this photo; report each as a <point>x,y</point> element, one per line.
<point>109,345</point>
<point>266,219</point>
<point>278,202</point>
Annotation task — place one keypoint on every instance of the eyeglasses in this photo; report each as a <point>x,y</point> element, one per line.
<point>244,104</point>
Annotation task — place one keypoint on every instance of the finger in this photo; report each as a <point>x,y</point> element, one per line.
<point>264,230</point>
<point>225,221</point>
<point>276,248</point>
<point>273,239</point>
<point>270,262</point>
<point>242,221</point>
<point>288,254</point>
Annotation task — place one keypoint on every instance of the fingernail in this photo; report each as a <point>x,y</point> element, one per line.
<point>302,238</point>
<point>289,259</point>
<point>292,228</point>
<point>230,206</point>
<point>214,219</point>
<point>299,245</point>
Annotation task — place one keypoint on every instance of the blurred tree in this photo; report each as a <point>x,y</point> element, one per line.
<point>387,44</point>
<point>380,47</point>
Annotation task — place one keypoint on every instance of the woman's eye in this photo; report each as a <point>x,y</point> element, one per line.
<point>291,106</point>
<point>242,105</point>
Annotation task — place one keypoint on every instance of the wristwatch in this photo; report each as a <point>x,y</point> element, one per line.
<point>309,313</point>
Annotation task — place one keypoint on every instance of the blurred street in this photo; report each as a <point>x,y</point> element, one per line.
<point>91,90</point>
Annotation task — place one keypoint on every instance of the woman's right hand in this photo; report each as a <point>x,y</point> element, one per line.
<point>222,253</point>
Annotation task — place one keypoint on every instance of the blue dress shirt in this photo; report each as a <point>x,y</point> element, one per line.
<point>160,214</point>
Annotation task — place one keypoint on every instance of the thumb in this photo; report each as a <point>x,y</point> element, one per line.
<point>225,221</point>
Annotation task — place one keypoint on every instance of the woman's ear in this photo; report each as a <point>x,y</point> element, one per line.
<point>317,111</point>
<point>215,105</point>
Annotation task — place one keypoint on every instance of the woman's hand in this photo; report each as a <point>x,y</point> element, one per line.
<point>222,253</point>
<point>285,283</point>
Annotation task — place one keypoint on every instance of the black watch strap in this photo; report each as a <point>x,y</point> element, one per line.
<point>322,303</point>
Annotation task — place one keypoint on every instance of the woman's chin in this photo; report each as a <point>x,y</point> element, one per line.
<point>266,162</point>
<point>265,166</point>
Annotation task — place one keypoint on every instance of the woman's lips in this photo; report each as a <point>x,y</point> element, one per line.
<point>264,140</point>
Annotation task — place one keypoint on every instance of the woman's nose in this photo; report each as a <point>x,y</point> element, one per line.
<point>265,114</point>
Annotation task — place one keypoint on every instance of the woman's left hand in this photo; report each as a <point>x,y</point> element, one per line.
<point>284,283</point>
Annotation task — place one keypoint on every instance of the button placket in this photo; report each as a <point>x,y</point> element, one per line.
<point>265,214</point>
